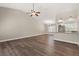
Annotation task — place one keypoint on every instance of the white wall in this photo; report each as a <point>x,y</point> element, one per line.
<point>15,24</point>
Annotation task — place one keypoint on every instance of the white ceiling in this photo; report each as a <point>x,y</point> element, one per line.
<point>48,10</point>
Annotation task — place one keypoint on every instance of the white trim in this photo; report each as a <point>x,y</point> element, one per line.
<point>38,35</point>
<point>21,37</point>
<point>67,41</point>
<point>64,40</point>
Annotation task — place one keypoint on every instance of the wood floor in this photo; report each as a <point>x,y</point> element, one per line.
<point>43,45</point>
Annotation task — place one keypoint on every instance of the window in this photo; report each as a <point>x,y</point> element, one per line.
<point>68,25</point>
<point>71,25</point>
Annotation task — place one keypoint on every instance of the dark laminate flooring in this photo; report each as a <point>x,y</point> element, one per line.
<point>43,45</point>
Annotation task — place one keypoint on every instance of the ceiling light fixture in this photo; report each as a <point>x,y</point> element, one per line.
<point>33,12</point>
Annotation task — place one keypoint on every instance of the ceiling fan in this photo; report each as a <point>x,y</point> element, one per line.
<point>33,12</point>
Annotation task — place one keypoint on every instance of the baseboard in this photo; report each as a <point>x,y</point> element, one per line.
<point>67,41</point>
<point>64,40</point>
<point>22,37</point>
<point>38,35</point>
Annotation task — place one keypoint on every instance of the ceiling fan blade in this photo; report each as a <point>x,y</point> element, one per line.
<point>31,15</point>
<point>38,12</point>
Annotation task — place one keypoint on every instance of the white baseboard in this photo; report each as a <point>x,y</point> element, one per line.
<point>38,35</point>
<point>67,41</point>
<point>64,40</point>
<point>21,37</point>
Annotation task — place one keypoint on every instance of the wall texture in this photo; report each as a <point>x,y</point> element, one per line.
<point>16,24</point>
